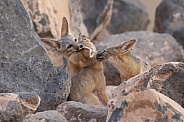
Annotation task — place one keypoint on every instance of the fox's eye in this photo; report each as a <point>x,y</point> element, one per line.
<point>69,46</point>
<point>75,40</point>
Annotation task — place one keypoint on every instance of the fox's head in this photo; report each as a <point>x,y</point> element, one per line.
<point>111,53</point>
<point>66,45</point>
<point>87,52</point>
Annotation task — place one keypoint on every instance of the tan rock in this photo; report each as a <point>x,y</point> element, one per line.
<point>14,106</point>
<point>29,102</point>
<point>47,15</point>
<point>51,116</point>
<point>76,111</point>
<point>166,78</point>
<point>110,90</point>
<point>145,106</point>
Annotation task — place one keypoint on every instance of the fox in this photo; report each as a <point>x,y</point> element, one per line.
<point>90,79</point>
<point>64,47</point>
<point>121,57</point>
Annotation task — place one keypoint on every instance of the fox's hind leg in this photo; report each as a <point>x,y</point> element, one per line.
<point>91,99</point>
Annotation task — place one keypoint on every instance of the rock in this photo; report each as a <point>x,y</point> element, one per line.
<point>46,116</point>
<point>110,90</point>
<point>169,18</point>
<point>17,36</point>
<point>14,106</point>
<point>36,74</point>
<point>128,15</point>
<point>152,47</point>
<point>29,102</point>
<point>47,16</point>
<point>167,79</point>
<point>76,18</point>
<point>76,111</point>
<point>125,14</point>
<point>88,11</point>
<point>145,106</point>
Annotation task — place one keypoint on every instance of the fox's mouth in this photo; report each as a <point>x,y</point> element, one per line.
<point>101,56</point>
<point>76,51</point>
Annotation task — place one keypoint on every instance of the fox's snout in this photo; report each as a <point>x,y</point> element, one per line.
<point>100,56</point>
<point>78,47</point>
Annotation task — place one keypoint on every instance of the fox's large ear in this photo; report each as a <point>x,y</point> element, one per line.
<point>82,37</point>
<point>88,53</point>
<point>51,44</point>
<point>127,46</point>
<point>64,28</point>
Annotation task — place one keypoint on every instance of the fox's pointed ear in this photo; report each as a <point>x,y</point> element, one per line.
<point>81,37</point>
<point>127,46</point>
<point>51,44</point>
<point>64,28</point>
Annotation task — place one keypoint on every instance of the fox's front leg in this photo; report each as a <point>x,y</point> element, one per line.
<point>103,96</point>
<point>100,89</point>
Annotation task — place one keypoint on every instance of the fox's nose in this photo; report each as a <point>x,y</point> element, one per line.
<point>79,47</point>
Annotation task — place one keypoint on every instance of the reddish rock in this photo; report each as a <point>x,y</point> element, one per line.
<point>47,16</point>
<point>45,116</point>
<point>145,106</point>
<point>14,106</point>
<point>167,79</point>
<point>76,111</point>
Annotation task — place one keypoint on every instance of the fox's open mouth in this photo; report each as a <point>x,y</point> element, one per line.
<point>100,56</point>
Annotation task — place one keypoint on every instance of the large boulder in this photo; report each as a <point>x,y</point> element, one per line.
<point>145,106</point>
<point>36,74</point>
<point>47,16</point>
<point>167,79</point>
<point>169,18</point>
<point>45,116</point>
<point>152,47</point>
<point>88,10</point>
<point>125,13</point>
<point>78,112</point>
<point>14,106</point>
<point>76,17</point>
<point>17,38</point>
<point>128,15</point>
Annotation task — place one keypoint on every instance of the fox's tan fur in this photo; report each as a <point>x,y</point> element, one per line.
<point>90,79</point>
<point>64,47</point>
<point>120,56</point>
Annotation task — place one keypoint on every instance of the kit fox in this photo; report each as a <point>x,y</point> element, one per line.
<point>90,79</point>
<point>120,56</point>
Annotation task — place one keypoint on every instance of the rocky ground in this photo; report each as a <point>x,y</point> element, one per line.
<point>34,90</point>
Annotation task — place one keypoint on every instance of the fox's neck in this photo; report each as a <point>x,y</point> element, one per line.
<point>128,63</point>
<point>93,64</point>
<point>73,69</point>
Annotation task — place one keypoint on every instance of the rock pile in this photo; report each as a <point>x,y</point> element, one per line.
<point>33,90</point>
